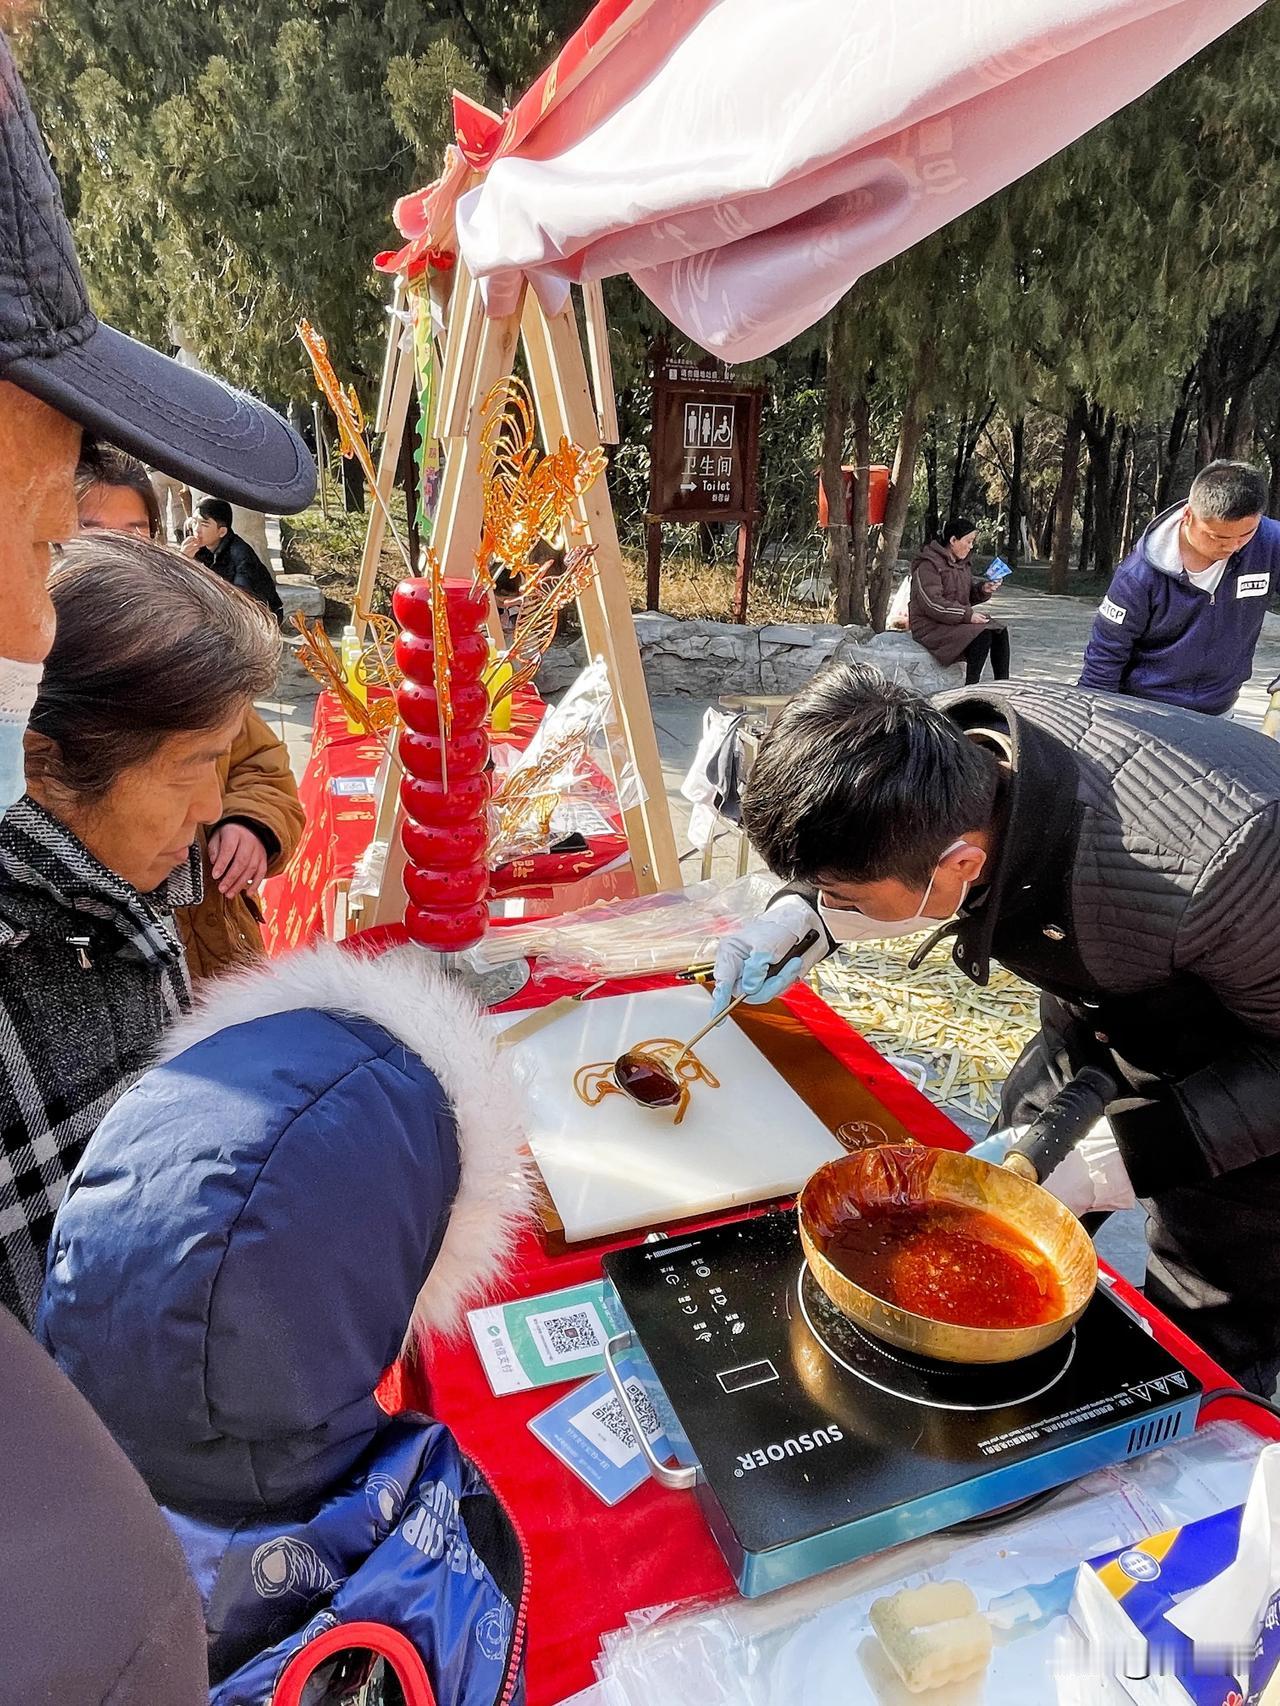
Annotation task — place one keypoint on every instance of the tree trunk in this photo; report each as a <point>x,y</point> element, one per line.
<point>1271,439</point>
<point>1086,518</point>
<point>856,603</point>
<point>971,430</point>
<point>1121,464</point>
<point>835,424</point>
<point>1064,504</point>
<point>1214,387</point>
<point>1100,431</point>
<point>1239,346</point>
<point>1208,432</point>
<point>932,519</point>
<point>901,483</point>
<point>1013,541</point>
<point>1238,430</point>
<point>1126,514</point>
<point>1177,437</point>
<point>958,467</point>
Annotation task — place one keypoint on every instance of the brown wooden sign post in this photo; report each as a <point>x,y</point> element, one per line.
<point>704,462</point>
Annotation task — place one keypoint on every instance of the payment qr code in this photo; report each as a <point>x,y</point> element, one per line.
<point>643,1408</point>
<point>567,1335</point>
<point>608,1428</point>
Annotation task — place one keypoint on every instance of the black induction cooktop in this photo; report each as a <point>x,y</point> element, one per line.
<point>815,1444</point>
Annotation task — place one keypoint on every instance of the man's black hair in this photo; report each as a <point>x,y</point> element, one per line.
<point>859,780</point>
<point>1228,491</point>
<point>216,510</point>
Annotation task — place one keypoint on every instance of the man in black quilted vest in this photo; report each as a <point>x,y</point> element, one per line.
<point>1125,859</point>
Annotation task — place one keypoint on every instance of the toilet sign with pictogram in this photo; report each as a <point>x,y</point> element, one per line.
<point>704,457</point>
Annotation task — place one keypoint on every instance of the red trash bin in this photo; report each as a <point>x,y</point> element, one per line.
<point>877,494</point>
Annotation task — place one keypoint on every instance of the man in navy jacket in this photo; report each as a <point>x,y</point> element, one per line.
<point>1183,614</point>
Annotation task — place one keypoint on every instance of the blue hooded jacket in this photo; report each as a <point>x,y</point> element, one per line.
<point>1159,636</point>
<point>326,1167</point>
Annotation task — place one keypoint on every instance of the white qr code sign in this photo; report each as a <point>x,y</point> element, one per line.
<point>567,1335</point>
<point>604,1424</point>
<point>541,1341</point>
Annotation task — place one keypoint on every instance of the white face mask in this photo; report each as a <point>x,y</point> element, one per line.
<point>846,925</point>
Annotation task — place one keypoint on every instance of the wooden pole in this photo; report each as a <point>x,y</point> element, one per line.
<point>399,393</point>
<point>478,352</point>
<point>410,486</point>
<point>390,357</point>
<point>653,565</point>
<point>460,510</point>
<point>558,378</point>
<point>601,365</point>
<point>459,514</point>
<point>742,572</point>
<point>750,497</point>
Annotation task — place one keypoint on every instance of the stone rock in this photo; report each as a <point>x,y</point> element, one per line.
<point>563,662</point>
<point>652,625</point>
<point>900,658</point>
<point>299,593</point>
<point>293,681</point>
<point>813,589</point>
<point>703,659</point>
<point>853,635</point>
<point>787,634</point>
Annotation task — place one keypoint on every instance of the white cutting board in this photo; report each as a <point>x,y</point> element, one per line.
<point>617,1166</point>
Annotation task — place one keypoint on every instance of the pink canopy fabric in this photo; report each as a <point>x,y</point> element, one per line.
<point>747,160</point>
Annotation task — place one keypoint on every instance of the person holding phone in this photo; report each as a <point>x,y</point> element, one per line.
<point>941,612</point>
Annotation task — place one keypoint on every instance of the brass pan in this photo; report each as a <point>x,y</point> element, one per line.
<point>950,1178</point>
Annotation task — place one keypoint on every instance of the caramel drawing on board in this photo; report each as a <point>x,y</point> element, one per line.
<point>657,1074</point>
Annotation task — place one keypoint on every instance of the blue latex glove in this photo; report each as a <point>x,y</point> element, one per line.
<point>744,959</point>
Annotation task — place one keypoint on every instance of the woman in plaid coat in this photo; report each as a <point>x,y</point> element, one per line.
<point>153,669</point>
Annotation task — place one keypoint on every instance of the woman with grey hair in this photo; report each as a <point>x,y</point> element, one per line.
<point>153,667</point>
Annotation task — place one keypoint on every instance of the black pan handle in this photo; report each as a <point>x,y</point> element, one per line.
<point>1061,1124</point>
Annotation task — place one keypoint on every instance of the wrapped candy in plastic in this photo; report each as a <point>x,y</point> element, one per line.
<point>566,770</point>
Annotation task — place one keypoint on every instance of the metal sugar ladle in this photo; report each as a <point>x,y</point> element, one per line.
<point>650,1082</point>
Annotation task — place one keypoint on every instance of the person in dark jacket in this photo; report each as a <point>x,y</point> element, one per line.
<point>154,665</point>
<point>1181,619</point>
<point>99,1608</point>
<point>1125,859</point>
<point>325,1171</point>
<point>262,818</point>
<point>941,611</point>
<point>219,547</point>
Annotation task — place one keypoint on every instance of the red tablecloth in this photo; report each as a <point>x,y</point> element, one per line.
<point>337,795</point>
<point>590,1565</point>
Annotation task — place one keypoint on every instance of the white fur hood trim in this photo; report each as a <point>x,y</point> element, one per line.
<point>405,993</point>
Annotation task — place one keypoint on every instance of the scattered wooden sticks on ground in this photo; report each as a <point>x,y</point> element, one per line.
<point>964,1039</point>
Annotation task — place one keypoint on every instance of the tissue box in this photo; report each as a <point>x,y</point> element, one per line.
<point>1120,1604</point>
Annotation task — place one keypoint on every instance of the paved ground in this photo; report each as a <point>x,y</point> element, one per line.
<point>1047,637</point>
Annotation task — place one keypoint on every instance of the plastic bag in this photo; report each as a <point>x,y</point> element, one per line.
<point>653,933</point>
<point>1239,1611</point>
<point>572,778</point>
<point>899,605</point>
<point>810,1643</point>
<point>366,875</point>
